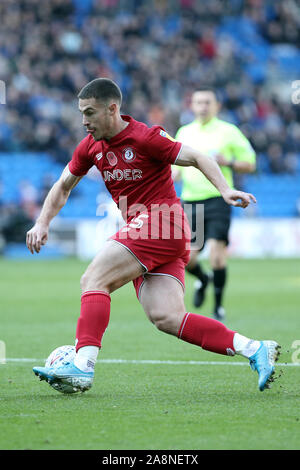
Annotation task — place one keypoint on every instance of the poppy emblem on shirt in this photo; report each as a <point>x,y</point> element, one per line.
<point>112,159</point>
<point>128,155</point>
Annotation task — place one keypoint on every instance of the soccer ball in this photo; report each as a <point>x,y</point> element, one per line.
<point>56,359</point>
<point>59,355</point>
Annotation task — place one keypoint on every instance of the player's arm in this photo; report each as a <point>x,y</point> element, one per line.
<point>191,157</point>
<point>54,202</point>
<point>176,171</point>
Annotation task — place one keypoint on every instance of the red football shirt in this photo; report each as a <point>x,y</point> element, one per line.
<point>135,165</point>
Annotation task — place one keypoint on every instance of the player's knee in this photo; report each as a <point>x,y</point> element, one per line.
<point>165,322</point>
<point>218,262</point>
<point>218,258</point>
<point>84,281</point>
<point>90,282</point>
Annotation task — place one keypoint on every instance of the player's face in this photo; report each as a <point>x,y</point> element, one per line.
<point>205,105</point>
<point>97,118</point>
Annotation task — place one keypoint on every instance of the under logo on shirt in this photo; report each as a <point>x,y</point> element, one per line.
<point>128,155</point>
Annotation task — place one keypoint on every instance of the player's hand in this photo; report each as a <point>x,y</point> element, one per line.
<point>238,198</point>
<point>37,237</point>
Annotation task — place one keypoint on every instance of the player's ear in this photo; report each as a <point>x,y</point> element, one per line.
<point>112,108</point>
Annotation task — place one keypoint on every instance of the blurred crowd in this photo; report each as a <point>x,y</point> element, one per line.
<point>158,51</point>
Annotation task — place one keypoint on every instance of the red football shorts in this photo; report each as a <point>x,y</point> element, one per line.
<point>160,240</point>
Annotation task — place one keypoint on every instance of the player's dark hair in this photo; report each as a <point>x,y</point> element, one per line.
<point>102,89</point>
<point>211,89</point>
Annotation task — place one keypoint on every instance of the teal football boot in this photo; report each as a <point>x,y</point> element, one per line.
<point>66,378</point>
<point>263,362</point>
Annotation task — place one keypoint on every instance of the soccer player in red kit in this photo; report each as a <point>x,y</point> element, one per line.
<point>152,249</point>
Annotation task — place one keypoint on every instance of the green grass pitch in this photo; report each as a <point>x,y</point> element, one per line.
<point>137,404</point>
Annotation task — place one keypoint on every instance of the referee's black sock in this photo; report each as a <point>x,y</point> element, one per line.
<point>198,272</point>
<point>219,284</point>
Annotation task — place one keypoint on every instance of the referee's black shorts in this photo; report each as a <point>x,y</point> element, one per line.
<point>216,218</point>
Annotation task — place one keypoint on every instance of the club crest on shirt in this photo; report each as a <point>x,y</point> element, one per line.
<point>128,155</point>
<point>112,159</point>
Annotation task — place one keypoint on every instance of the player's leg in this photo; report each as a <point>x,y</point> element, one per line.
<point>217,221</point>
<point>195,268</point>
<point>163,301</point>
<point>162,298</point>
<point>195,214</point>
<point>116,265</point>
<point>111,268</point>
<point>218,262</point>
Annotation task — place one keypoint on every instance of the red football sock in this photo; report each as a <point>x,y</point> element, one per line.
<point>208,333</point>
<point>93,320</point>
